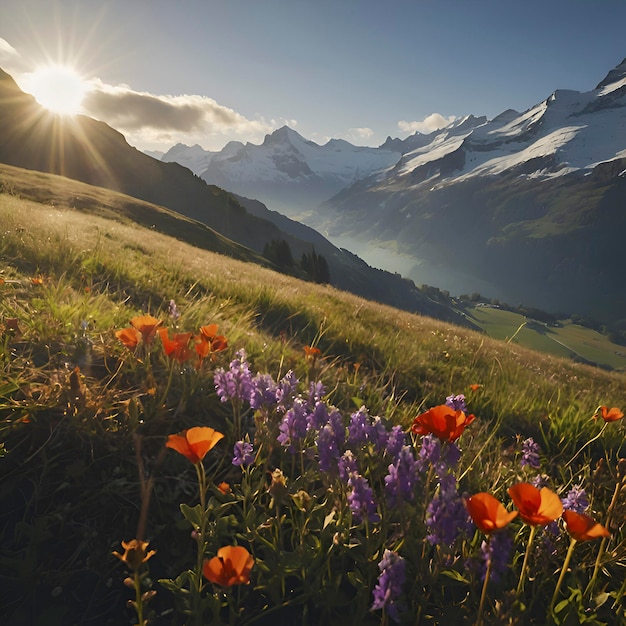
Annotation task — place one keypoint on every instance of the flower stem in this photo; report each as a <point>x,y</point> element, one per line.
<point>531,537</point>
<point>609,514</point>
<point>568,558</point>
<point>138,600</point>
<point>483,595</point>
<point>586,444</point>
<point>197,591</point>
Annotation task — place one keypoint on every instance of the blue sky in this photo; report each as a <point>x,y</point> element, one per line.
<point>209,71</point>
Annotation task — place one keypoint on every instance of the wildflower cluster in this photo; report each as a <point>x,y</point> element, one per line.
<point>181,347</point>
<point>323,490</point>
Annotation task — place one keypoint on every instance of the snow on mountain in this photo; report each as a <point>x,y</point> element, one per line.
<point>286,171</point>
<point>569,131</point>
<point>196,158</point>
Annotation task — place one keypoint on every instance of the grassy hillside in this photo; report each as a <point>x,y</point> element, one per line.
<point>566,339</point>
<point>85,419</point>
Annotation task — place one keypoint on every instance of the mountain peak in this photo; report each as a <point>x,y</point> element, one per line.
<point>617,73</point>
<point>282,135</point>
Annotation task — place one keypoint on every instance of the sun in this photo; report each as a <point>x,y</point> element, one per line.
<point>58,88</point>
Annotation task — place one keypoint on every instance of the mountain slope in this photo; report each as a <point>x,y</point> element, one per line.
<point>526,207</point>
<point>92,152</point>
<point>531,202</point>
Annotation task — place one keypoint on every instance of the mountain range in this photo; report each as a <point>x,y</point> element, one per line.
<point>92,152</point>
<point>530,206</point>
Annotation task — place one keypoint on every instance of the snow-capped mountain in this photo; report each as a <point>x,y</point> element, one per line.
<point>569,131</point>
<point>287,172</point>
<point>516,207</point>
<point>534,203</point>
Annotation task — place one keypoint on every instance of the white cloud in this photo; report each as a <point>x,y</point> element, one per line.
<point>361,133</point>
<point>430,123</point>
<point>6,49</point>
<point>149,120</point>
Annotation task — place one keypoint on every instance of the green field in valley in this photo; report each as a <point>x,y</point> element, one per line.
<point>565,339</point>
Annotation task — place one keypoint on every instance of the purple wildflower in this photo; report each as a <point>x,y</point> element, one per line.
<point>361,499</point>
<point>358,428</point>
<point>395,441</point>
<point>576,500</point>
<point>243,454</point>
<point>499,549</point>
<point>236,383</point>
<point>402,477</point>
<point>378,434</point>
<point>318,417</point>
<point>316,392</point>
<point>457,402</point>
<point>446,515</point>
<point>389,586</point>
<point>347,465</point>
<point>330,442</point>
<point>450,456</point>
<point>262,391</point>
<point>530,453</point>
<point>430,452</point>
<point>293,427</point>
<point>286,388</point>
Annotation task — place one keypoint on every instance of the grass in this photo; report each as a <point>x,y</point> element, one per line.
<point>84,420</point>
<point>565,340</point>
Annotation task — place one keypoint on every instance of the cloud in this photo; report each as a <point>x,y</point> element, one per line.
<point>149,118</point>
<point>6,49</point>
<point>432,122</point>
<point>360,133</point>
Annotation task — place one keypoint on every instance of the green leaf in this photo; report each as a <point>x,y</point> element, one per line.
<point>454,575</point>
<point>192,515</point>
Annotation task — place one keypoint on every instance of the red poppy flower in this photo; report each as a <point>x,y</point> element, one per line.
<point>195,442</point>
<point>208,341</point>
<point>177,347</point>
<point>230,567</point>
<point>610,415</point>
<point>536,507</point>
<point>488,513</point>
<point>128,336</point>
<point>582,527</point>
<point>146,325</point>
<point>443,422</point>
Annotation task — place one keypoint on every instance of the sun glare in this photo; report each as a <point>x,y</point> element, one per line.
<point>58,88</point>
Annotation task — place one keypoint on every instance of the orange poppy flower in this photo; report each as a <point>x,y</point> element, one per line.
<point>135,553</point>
<point>195,442</point>
<point>208,341</point>
<point>537,507</point>
<point>610,415</point>
<point>177,347</point>
<point>582,527</point>
<point>443,422</point>
<point>230,567</point>
<point>311,353</point>
<point>224,488</point>
<point>488,513</point>
<point>128,336</point>
<point>475,386</point>
<point>37,281</point>
<point>146,325</point>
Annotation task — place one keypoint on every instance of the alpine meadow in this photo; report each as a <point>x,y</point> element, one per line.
<point>210,414</point>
